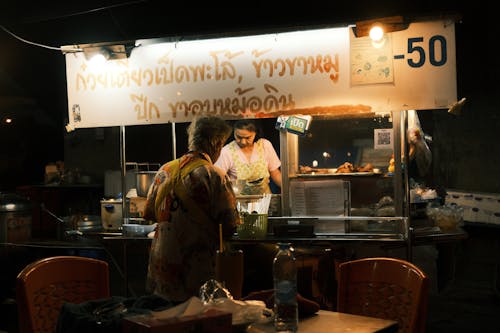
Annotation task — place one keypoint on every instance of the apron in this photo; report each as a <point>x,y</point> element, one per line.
<point>255,173</point>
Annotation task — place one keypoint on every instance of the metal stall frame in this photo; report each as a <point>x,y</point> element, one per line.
<point>123,165</point>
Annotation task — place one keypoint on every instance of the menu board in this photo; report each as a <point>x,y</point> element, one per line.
<point>319,197</point>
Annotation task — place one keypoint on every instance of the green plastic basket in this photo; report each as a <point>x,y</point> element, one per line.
<point>254,226</point>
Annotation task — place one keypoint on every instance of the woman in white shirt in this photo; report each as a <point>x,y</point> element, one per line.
<point>250,161</point>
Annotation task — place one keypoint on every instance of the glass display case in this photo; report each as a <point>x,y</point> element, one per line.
<point>346,176</point>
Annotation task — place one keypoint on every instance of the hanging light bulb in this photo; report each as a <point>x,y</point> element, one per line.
<point>97,59</point>
<point>378,27</point>
<point>376,33</point>
<point>103,53</point>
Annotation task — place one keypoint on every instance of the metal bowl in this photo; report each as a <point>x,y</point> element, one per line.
<point>137,230</point>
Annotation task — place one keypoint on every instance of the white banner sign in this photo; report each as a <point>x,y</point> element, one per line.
<point>315,72</point>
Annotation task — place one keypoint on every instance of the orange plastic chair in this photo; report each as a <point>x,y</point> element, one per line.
<point>385,288</point>
<point>44,285</point>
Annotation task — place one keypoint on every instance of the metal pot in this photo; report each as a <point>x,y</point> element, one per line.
<point>143,181</point>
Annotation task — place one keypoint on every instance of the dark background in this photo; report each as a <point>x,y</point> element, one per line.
<point>33,82</point>
<point>33,89</point>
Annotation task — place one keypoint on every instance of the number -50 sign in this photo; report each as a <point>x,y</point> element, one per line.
<point>433,50</point>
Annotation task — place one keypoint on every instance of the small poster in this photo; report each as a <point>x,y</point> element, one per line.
<point>371,63</point>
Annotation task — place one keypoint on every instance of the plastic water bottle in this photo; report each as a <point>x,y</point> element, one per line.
<point>285,290</point>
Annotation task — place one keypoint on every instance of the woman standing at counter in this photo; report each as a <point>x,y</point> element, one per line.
<point>250,160</point>
<point>189,198</point>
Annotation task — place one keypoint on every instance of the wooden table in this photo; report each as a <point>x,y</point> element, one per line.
<point>335,322</point>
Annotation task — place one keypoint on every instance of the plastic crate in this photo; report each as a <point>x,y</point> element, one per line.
<point>254,226</point>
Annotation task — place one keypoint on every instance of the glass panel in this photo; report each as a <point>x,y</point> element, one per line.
<point>332,142</point>
<point>356,150</point>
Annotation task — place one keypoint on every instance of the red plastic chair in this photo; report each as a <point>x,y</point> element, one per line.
<point>385,288</point>
<point>44,285</point>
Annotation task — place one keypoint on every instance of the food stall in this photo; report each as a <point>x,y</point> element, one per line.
<point>319,78</point>
<point>332,80</point>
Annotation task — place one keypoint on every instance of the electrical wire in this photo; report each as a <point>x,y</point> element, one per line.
<point>89,11</point>
<point>68,49</point>
<point>38,44</point>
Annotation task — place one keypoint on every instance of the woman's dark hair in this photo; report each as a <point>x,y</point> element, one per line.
<point>249,125</point>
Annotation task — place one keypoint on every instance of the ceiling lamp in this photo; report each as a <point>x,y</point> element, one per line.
<point>104,51</point>
<point>107,52</point>
<point>376,33</point>
<point>378,27</point>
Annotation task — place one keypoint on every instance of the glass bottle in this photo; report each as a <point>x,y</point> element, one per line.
<point>285,289</point>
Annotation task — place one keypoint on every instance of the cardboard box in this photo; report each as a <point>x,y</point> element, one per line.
<point>478,207</point>
<point>211,321</point>
<point>469,214</point>
<point>461,198</point>
<point>495,218</point>
<point>487,201</point>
